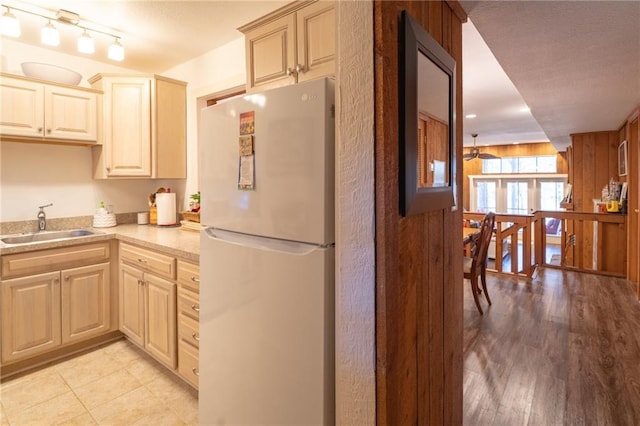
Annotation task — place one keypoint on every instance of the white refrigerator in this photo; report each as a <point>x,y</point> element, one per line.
<point>266,173</point>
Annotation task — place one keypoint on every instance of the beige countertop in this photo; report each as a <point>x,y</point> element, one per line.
<point>172,241</point>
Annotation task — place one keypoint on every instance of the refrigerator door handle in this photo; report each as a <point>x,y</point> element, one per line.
<point>263,243</point>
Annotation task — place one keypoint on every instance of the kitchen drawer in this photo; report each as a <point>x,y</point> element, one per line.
<point>188,363</point>
<point>189,275</point>
<point>36,262</point>
<point>188,304</point>
<point>188,330</point>
<point>159,264</point>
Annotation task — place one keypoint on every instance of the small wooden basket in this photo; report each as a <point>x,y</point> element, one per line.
<point>153,215</point>
<point>191,216</point>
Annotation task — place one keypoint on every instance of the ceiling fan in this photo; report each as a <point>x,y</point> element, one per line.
<point>475,152</point>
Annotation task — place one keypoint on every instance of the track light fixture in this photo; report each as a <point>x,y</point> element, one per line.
<point>49,35</point>
<point>85,43</point>
<point>116,51</point>
<point>10,26</point>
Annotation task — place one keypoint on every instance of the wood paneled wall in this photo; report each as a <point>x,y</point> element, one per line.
<point>418,258</point>
<point>631,133</point>
<point>474,167</point>
<point>595,161</point>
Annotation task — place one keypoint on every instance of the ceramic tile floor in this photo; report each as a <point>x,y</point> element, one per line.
<point>117,384</point>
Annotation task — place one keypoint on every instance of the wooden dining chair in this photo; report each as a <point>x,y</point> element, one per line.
<point>476,265</point>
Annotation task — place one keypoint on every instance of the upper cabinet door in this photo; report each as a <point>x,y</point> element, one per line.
<point>71,114</point>
<point>22,110</point>
<point>316,40</point>
<point>127,126</point>
<point>270,51</point>
<point>292,44</point>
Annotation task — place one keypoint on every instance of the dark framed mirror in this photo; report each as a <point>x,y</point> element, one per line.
<point>427,121</point>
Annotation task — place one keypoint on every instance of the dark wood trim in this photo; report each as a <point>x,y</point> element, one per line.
<point>458,10</point>
<point>219,98</point>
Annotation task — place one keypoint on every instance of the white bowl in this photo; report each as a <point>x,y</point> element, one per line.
<point>51,73</point>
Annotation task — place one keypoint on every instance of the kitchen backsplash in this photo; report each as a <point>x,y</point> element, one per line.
<point>62,223</point>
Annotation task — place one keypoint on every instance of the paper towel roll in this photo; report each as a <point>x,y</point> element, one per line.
<point>166,203</point>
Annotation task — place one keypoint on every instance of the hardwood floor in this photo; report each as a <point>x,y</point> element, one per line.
<point>561,349</point>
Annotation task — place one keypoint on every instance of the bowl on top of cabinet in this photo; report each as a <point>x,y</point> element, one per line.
<point>50,72</point>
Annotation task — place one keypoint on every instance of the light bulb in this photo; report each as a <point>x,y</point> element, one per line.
<point>9,25</point>
<point>116,51</point>
<point>49,35</point>
<point>85,43</point>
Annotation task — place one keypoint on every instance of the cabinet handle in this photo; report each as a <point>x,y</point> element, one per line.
<point>195,308</point>
<point>67,278</point>
<point>56,280</point>
<point>195,337</point>
<point>108,169</point>
<point>141,260</point>
<point>290,72</point>
<point>48,130</point>
<point>40,129</point>
<point>300,69</point>
<point>140,282</point>
<point>195,279</point>
<point>195,371</point>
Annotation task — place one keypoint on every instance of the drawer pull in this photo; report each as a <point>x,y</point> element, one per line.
<point>195,308</point>
<point>195,371</point>
<point>195,279</point>
<point>141,260</point>
<point>195,337</point>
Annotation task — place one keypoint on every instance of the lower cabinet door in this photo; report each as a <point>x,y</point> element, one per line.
<point>160,329</point>
<point>85,302</point>
<point>131,303</point>
<point>30,315</point>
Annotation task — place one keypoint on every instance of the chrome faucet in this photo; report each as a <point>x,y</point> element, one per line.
<point>42,218</point>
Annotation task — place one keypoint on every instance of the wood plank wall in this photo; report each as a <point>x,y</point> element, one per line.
<point>631,133</point>
<point>474,167</point>
<point>418,259</point>
<point>595,161</point>
<point>594,158</point>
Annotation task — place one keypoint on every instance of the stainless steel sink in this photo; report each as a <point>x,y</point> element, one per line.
<point>45,236</point>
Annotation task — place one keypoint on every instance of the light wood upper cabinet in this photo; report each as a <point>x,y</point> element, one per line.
<point>271,54</point>
<point>32,110</point>
<point>290,45</point>
<point>144,127</point>
<point>30,316</point>
<point>316,40</point>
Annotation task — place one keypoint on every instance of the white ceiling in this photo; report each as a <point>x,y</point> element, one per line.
<point>156,35</point>
<point>576,64</point>
<point>502,116</point>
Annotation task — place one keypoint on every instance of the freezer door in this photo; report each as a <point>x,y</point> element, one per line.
<point>266,332</point>
<point>293,197</point>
